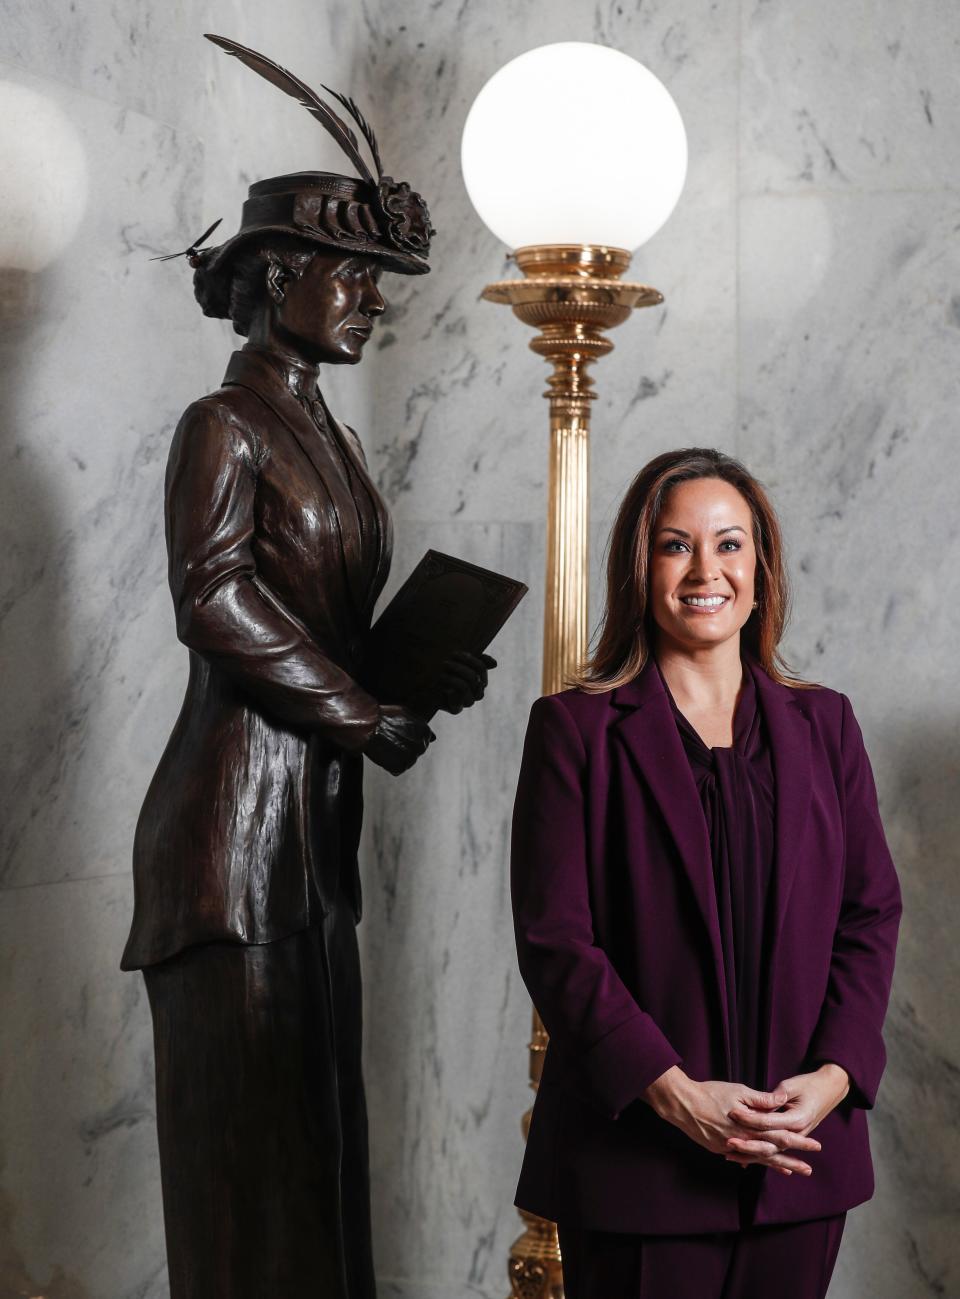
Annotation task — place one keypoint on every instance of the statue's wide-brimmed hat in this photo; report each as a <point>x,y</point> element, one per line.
<point>366,215</point>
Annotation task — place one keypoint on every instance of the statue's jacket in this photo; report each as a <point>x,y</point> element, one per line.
<point>252,820</point>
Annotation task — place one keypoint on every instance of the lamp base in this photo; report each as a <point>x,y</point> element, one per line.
<point>571,293</point>
<point>534,1268</point>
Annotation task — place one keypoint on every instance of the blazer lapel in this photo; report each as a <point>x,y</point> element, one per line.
<point>789,730</point>
<point>252,371</point>
<point>649,733</point>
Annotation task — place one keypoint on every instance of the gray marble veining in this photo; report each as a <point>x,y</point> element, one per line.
<point>836,97</point>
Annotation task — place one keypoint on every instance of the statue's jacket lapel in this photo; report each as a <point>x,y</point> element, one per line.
<point>303,481</point>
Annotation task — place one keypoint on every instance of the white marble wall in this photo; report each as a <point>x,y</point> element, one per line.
<point>812,279</point>
<point>813,304</point>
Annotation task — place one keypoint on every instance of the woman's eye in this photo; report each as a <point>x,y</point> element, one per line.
<point>681,545</point>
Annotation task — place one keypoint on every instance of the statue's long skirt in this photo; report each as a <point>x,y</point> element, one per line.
<point>261,1117</point>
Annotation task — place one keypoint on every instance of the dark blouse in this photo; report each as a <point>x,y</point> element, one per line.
<point>736,787</point>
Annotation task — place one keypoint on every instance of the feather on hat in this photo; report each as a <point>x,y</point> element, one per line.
<point>372,215</point>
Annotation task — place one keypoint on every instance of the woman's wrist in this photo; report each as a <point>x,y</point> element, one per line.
<point>667,1094</point>
<point>837,1075</point>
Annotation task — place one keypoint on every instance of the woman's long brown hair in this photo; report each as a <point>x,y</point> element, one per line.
<point>625,633</point>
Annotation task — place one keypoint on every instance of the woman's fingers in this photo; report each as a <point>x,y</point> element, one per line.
<point>753,1148</point>
<point>749,1118</point>
<point>774,1141</point>
<point>779,1163</point>
<point>784,1172</point>
<point>788,1161</point>
<point>765,1100</point>
<point>765,1152</point>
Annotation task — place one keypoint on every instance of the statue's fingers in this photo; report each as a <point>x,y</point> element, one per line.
<point>477,663</point>
<point>456,669</point>
<point>470,684</point>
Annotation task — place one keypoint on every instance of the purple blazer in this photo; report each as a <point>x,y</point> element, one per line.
<point>619,945</point>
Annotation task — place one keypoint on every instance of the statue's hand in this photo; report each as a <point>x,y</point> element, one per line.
<point>463,679</point>
<point>400,738</point>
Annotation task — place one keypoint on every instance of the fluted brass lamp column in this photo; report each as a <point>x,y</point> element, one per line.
<point>573,155</point>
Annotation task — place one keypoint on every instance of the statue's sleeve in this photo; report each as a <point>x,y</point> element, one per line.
<point>225,612</point>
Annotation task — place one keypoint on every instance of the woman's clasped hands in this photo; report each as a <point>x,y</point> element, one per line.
<point>747,1126</point>
<point>804,1101</point>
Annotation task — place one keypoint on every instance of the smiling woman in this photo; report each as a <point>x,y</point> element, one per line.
<point>706,916</point>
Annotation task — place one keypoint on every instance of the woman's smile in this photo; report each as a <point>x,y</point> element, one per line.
<point>700,604</point>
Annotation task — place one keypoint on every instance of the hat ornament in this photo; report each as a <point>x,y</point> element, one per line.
<point>373,214</point>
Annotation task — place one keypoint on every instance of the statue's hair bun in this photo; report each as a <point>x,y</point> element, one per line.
<point>211,288</point>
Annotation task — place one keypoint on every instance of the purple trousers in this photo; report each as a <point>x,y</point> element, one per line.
<point>792,1261</point>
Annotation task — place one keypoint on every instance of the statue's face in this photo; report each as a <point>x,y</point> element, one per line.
<point>328,311</point>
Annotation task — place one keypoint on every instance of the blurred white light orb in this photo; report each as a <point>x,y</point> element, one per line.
<point>44,170</point>
<point>574,143</point>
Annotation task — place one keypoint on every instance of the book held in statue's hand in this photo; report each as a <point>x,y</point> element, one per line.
<point>446,604</point>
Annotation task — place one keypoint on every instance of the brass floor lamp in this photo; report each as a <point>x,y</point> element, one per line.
<point>572,246</point>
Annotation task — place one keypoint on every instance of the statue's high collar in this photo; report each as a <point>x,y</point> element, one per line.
<point>299,377</point>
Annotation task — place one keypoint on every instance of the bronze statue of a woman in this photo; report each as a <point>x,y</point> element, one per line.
<point>245,858</point>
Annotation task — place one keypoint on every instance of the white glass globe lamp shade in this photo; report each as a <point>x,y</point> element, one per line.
<point>44,170</point>
<point>574,143</point>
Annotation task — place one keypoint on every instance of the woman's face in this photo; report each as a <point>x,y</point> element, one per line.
<point>702,550</point>
<point>327,312</point>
